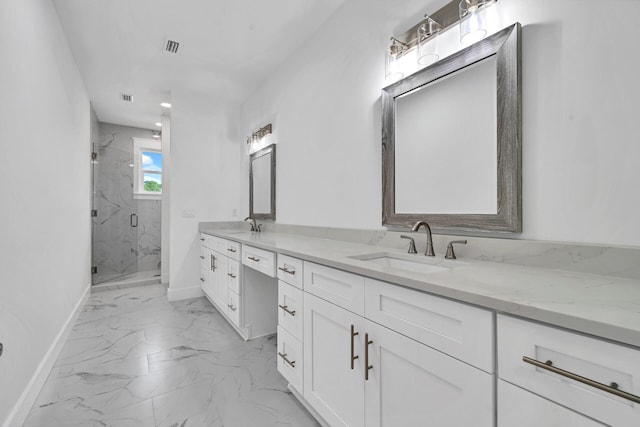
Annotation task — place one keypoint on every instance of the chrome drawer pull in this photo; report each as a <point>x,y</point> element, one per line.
<point>202,239</point>
<point>201,279</point>
<point>231,307</point>
<point>286,270</point>
<point>613,388</point>
<point>201,257</point>
<point>231,275</point>
<point>231,250</point>
<point>254,259</point>
<point>286,308</point>
<point>291,363</point>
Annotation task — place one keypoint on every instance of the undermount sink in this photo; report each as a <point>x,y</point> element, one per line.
<point>414,263</point>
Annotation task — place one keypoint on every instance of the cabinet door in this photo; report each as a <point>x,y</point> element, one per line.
<point>331,387</point>
<point>518,407</point>
<point>411,384</point>
<point>219,280</point>
<point>206,270</point>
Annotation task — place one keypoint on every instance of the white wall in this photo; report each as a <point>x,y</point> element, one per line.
<point>206,162</point>
<point>44,188</point>
<point>580,143</point>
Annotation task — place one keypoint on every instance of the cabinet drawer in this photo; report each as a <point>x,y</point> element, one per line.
<point>290,309</point>
<point>260,260</point>
<point>233,307</point>
<point>290,270</point>
<point>518,407</point>
<point>218,244</point>
<point>290,358</point>
<point>459,330</point>
<point>590,358</point>
<point>205,241</point>
<point>341,288</point>
<point>233,249</point>
<point>233,276</point>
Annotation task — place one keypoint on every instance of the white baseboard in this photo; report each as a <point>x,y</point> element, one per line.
<point>184,293</point>
<point>26,401</point>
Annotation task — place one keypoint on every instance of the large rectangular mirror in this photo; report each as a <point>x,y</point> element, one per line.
<point>451,140</point>
<point>262,184</point>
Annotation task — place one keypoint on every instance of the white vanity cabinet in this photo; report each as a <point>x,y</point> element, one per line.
<point>361,372</point>
<point>529,352</point>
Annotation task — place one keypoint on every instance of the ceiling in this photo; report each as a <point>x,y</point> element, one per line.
<point>227,47</point>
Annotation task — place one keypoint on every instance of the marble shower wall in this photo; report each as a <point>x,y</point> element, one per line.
<point>118,248</point>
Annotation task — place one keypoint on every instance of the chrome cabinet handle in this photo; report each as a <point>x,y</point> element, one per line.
<point>254,259</point>
<point>202,239</point>
<point>613,388</point>
<point>231,275</point>
<point>214,266</point>
<point>353,335</point>
<point>291,363</point>
<point>201,257</point>
<point>232,307</point>
<point>202,279</point>
<point>286,308</point>
<point>366,356</point>
<point>231,250</point>
<point>286,270</point>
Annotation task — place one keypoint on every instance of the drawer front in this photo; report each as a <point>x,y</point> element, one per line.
<point>290,358</point>
<point>233,249</point>
<point>205,240</point>
<point>260,260</point>
<point>290,309</point>
<point>590,358</point>
<point>233,276</point>
<point>290,270</point>
<point>233,307</point>
<point>218,244</point>
<point>518,407</point>
<point>456,329</point>
<point>341,288</point>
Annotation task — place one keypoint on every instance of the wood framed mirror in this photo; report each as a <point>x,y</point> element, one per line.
<point>262,183</point>
<point>451,140</point>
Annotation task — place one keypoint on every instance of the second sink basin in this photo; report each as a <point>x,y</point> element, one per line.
<point>413,263</point>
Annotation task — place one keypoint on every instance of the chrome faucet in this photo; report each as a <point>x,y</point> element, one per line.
<point>416,227</point>
<point>252,221</point>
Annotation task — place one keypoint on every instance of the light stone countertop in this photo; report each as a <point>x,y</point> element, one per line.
<point>598,305</point>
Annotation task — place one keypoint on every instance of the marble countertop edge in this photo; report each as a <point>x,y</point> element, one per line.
<point>596,305</point>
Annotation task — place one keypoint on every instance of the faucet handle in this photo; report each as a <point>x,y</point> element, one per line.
<point>412,244</point>
<point>259,228</point>
<point>450,253</point>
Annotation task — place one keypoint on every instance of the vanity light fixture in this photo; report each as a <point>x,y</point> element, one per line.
<point>259,139</point>
<point>471,16</point>
<point>426,41</point>
<point>473,20</point>
<point>392,69</point>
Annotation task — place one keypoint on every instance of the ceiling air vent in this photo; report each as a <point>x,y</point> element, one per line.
<point>127,98</point>
<point>172,46</point>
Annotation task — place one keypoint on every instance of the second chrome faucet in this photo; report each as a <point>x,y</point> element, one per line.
<point>416,227</point>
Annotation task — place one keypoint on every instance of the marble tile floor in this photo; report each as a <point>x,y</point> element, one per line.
<point>135,359</point>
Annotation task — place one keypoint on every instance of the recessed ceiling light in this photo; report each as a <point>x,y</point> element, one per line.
<point>159,124</point>
<point>165,105</point>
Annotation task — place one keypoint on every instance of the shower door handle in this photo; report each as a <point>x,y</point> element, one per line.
<point>131,220</point>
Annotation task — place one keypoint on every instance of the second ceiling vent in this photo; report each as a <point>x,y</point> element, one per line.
<point>172,46</point>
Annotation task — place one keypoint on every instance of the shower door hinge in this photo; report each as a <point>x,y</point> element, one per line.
<point>94,155</point>
<point>94,270</point>
<point>94,212</point>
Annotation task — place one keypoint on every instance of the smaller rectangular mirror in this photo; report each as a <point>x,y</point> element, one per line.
<point>262,184</point>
